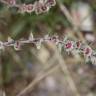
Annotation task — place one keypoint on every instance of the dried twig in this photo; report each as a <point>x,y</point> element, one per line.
<point>66,13</point>
<point>67,44</point>
<point>67,74</point>
<point>37,80</point>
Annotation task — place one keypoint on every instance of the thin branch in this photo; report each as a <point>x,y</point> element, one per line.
<point>37,80</point>
<point>66,72</point>
<point>66,13</point>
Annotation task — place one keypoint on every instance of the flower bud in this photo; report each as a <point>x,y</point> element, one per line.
<point>17,45</point>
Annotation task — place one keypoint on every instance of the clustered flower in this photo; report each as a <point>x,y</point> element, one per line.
<point>38,7</point>
<point>67,44</point>
<point>11,2</point>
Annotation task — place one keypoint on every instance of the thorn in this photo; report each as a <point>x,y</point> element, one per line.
<point>10,39</point>
<point>1,45</point>
<point>31,38</point>
<point>38,44</point>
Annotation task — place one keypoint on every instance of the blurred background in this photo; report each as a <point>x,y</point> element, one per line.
<point>48,71</point>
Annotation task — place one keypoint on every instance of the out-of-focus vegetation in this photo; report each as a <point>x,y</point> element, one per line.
<point>19,26</point>
<point>19,68</point>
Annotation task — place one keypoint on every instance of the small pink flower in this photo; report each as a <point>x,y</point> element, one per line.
<point>44,8</point>
<point>69,45</point>
<point>11,2</point>
<point>17,45</point>
<point>87,51</point>
<point>29,8</point>
<point>40,7</point>
<point>50,3</point>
